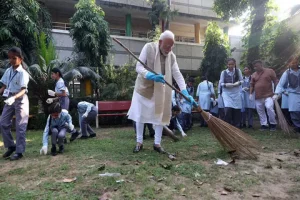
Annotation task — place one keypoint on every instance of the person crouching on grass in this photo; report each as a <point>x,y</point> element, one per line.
<point>87,113</point>
<point>58,123</point>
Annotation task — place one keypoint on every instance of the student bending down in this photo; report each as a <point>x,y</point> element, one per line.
<point>58,123</point>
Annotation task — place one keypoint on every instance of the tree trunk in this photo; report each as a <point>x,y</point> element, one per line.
<point>167,22</point>
<point>258,13</point>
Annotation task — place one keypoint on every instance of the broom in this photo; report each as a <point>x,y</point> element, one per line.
<point>231,138</point>
<point>284,125</point>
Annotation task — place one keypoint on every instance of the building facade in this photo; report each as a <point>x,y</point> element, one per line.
<point>129,22</point>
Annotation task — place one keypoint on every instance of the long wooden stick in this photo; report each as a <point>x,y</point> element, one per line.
<point>151,70</point>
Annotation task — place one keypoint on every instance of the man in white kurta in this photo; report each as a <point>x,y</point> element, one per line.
<point>152,99</point>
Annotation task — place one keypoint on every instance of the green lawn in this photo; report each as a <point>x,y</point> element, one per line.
<point>192,176</point>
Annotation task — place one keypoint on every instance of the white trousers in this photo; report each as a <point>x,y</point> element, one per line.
<point>261,105</point>
<point>139,133</point>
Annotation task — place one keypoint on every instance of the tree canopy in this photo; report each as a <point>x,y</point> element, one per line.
<point>216,51</point>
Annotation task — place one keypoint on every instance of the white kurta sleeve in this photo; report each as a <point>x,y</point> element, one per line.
<point>178,76</point>
<point>198,90</point>
<point>140,69</point>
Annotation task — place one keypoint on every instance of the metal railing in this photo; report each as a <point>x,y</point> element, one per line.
<point>61,26</point>
<point>122,32</point>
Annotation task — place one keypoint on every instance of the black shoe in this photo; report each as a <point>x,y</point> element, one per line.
<point>250,126</point>
<point>84,137</point>
<point>74,136</point>
<point>263,128</point>
<point>9,151</point>
<point>272,127</point>
<point>16,156</point>
<point>61,149</point>
<point>158,149</point>
<point>53,150</point>
<point>92,135</point>
<point>137,148</point>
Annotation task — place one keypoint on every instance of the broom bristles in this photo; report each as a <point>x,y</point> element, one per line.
<point>231,138</point>
<point>284,125</point>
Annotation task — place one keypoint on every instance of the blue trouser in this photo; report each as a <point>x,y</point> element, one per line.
<point>295,116</point>
<point>184,120</point>
<point>20,108</point>
<point>247,114</point>
<point>84,124</point>
<point>233,116</point>
<point>58,136</point>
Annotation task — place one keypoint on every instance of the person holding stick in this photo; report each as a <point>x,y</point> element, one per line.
<point>152,100</point>
<point>290,83</point>
<point>231,80</point>
<point>261,83</point>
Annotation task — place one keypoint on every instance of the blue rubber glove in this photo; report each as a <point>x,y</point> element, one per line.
<point>192,101</point>
<point>157,78</point>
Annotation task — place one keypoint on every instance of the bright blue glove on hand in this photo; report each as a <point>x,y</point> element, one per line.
<point>157,78</point>
<point>192,101</point>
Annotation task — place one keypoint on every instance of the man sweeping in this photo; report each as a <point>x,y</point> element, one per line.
<point>151,101</point>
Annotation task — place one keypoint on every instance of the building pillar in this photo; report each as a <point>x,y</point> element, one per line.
<point>197,33</point>
<point>128,25</point>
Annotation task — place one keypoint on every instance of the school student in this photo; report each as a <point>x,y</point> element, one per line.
<point>87,113</point>
<point>231,80</point>
<point>58,123</point>
<point>185,115</point>
<point>174,123</point>
<point>61,90</point>
<point>15,82</point>
<point>205,92</point>
<point>248,105</point>
<point>290,83</point>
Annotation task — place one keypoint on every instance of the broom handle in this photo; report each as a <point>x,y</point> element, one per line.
<point>151,70</point>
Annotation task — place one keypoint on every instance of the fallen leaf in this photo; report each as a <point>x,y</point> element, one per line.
<point>279,159</point>
<point>69,180</point>
<point>198,183</point>
<point>282,153</point>
<point>197,174</point>
<point>120,181</point>
<point>161,179</point>
<point>255,195</point>
<point>296,153</point>
<point>101,168</point>
<point>182,190</point>
<point>264,147</point>
<point>224,193</point>
<point>247,173</point>
<point>166,166</point>
<point>268,166</point>
<point>228,189</point>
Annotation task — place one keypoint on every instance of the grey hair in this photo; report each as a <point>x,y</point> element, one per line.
<point>167,34</point>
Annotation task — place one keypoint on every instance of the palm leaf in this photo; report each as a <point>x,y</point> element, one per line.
<point>72,74</point>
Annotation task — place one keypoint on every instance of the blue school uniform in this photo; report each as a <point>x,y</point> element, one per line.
<point>59,88</point>
<point>15,81</point>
